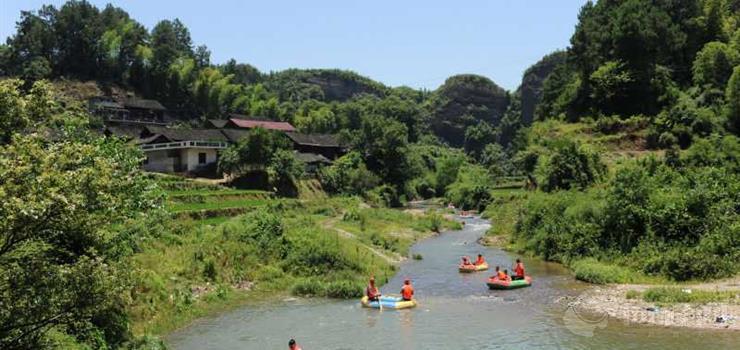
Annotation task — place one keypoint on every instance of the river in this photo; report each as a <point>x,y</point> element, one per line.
<point>456,311</point>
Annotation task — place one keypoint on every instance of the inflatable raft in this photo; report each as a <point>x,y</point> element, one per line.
<point>388,302</point>
<point>495,283</point>
<point>473,268</point>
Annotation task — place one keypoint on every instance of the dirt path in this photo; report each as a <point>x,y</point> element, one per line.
<point>611,300</point>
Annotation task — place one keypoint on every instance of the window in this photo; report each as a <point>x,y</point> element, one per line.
<point>201,158</point>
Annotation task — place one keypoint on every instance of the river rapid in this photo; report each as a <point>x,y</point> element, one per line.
<point>456,311</point>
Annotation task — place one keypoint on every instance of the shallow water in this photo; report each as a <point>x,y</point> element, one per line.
<point>456,311</point>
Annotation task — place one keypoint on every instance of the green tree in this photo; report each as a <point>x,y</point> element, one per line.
<point>477,137</point>
<point>383,142</point>
<point>78,29</point>
<point>495,159</point>
<point>320,120</point>
<point>348,175</point>
<point>253,152</point>
<point>713,66</point>
<point>570,166</point>
<point>732,96</point>
<point>13,114</point>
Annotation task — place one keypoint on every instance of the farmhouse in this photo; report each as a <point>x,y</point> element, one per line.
<point>180,150</point>
<point>239,123</point>
<point>131,111</point>
<point>325,145</point>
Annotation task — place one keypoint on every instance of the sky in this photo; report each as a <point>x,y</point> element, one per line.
<point>402,42</point>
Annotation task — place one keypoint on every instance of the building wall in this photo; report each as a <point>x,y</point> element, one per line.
<point>190,157</point>
<point>160,161</point>
<point>178,160</point>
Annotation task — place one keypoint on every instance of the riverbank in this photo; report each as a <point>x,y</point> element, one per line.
<point>321,247</point>
<point>620,292</point>
<point>629,303</point>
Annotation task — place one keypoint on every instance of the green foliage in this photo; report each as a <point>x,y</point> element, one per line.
<point>344,289</point>
<point>477,137</point>
<point>713,65</point>
<point>570,166</point>
<point>678,223</point>
<point>592,271</point>
<point>253,152</point>
<point>348,175</point>
<point>309,287</point>
<point>732,96</point>
<point>471,189</point>
<point>671,295</point>
<point>64,213</point>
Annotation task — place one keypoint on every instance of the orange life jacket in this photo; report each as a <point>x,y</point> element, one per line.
<point>501,275</point>
<point>480,261</point>
<point>407,292</point>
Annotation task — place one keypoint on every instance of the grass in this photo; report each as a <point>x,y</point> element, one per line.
<point>391,229</point>
<point>594,271</point>
<point>211,192</point>
<point>238,203</point>
<point>504,211</point>
<point>194,268</point>
<point>674,295</point>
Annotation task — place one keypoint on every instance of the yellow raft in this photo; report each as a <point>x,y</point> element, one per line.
<point>388,302</point>
<point>473,268</point>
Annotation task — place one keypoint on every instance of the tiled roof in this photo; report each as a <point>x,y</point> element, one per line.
<point>144,104</point>
<point>321,140</point>
<point>125,131</point>
<point>309,158</point>
<point>249,124</point>
<point>186,134</point>
<point>218,123</point>
<point>234,135</point>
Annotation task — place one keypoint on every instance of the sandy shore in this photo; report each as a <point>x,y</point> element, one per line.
<point>611,300</point>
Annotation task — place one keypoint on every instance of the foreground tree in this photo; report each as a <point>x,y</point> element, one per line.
<point>65,197</point>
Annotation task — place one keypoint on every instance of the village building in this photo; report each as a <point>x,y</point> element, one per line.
<point>130,111</point>
<point>312,162</point>
<point>180,150</point>
<point>325,145</point>
<point>239,123</point>
<point>145,110</point>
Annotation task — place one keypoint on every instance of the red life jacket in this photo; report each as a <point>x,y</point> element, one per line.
<point>519,270</point>
<point>407,292</point>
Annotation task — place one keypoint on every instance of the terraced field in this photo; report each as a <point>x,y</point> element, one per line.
<point>208,203</point>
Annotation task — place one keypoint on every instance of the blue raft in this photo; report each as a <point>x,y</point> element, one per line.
<point>388,302</point>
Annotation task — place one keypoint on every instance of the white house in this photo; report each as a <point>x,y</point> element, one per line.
<point>180,150</point>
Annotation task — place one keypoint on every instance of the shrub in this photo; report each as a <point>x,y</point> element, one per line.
<point>570,166</point>
<point>308,287</point>
<point>344,289</point>
<point>593,271</point>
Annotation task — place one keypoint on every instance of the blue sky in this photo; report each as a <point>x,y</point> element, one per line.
<point>413,43</point>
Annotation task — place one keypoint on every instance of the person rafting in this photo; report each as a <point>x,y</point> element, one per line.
<point>480,260</point>
<point>499,275</point>
<point>518,270</point>
<point>506,276</point>
<point>292,345</point>
<point>407,291</point>
<point>466,261</point>
<point>371,291</point>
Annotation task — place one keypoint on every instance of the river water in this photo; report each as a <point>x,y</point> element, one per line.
<point>456,311</point>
